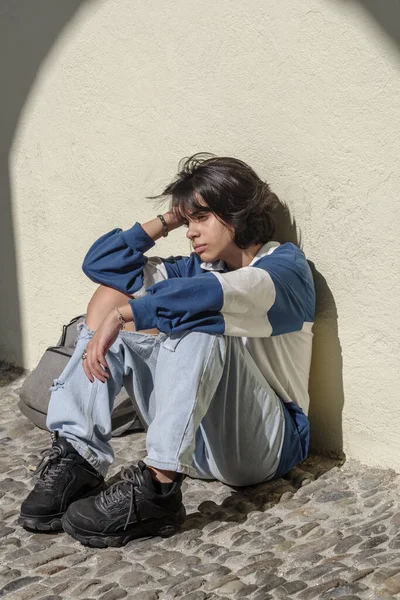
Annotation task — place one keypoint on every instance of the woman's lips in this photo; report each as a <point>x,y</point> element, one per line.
<point>199,249</point>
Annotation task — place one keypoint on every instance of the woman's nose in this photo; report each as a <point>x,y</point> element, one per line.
<point>191,232</point>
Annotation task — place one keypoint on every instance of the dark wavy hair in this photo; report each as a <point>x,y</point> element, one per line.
<point>230,189</point>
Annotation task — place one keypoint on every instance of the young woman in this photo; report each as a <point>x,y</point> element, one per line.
<point>215,349</point>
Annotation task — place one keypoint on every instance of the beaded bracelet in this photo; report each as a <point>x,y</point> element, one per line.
<point>164,224</point>
<point>121,319</point>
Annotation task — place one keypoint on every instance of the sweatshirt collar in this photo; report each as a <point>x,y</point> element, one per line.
<point>219,265</point>
<point>268,248</point>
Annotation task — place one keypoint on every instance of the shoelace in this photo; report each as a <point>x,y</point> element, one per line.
<point>48,469</point>
<point>118,490</point>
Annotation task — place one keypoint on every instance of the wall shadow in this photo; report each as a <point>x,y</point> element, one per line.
<point>326,376</point>
<point>386,14</point>
<point>27,32</point>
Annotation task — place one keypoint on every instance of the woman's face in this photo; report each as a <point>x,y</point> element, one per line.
<point>211,239</point>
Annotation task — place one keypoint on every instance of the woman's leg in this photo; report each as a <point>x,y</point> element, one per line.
<point>248,435</point>
<point>209,410</point>
<point>212,413</point>
<point>172,378</point>
<point>80,410</point>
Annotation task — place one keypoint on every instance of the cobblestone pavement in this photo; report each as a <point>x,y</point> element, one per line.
<point>323,532</point>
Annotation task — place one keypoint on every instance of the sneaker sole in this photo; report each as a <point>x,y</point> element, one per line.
<point>51,523</point>
<point>35,524</point>
<point>159,527</point>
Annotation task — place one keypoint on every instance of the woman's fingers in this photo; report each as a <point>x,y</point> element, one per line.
<point>86,369</point>
<point>95,364</point>
<point>102,360</point>
<point>97,370</point>
<point>101,365</point>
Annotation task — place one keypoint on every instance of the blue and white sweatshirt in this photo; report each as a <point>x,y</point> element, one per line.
<point>270,303</point>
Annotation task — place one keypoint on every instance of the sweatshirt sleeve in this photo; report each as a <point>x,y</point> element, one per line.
<point>117,259</point>
<point>272,297</point>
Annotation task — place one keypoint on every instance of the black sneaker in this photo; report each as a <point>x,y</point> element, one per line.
<point>130,508</point>
<point>64,476</point>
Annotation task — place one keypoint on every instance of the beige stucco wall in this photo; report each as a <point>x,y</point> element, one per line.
<point>306,92</point>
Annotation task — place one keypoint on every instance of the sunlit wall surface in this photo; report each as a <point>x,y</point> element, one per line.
<point>306,92</point>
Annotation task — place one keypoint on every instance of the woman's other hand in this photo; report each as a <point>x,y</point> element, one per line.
<point>95,364</point>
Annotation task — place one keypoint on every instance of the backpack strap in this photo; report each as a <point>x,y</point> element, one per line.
<point>66,327</point>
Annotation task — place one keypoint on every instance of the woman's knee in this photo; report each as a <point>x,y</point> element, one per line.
<point>194,340</point>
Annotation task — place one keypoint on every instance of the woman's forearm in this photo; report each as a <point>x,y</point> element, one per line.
<point>154,228</point>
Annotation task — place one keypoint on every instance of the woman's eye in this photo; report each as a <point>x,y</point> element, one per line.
<point>196,219</point>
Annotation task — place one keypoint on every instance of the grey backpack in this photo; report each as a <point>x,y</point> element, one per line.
<point>35,392</point>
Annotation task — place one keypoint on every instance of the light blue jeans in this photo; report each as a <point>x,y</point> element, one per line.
<point>210,413</point>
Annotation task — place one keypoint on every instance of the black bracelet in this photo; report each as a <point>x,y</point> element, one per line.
<point>164,224</point>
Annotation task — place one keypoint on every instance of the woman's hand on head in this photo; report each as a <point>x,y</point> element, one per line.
<point>95,364</point>
<point>173,220</point>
